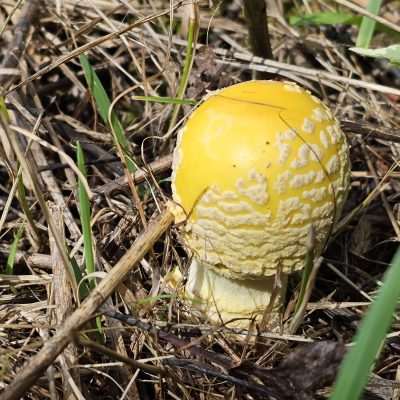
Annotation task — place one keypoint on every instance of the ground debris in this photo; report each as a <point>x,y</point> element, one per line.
<point>301,373</point>
<point>39,52</point>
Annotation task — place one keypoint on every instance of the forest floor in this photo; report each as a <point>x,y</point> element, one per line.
<point>181,355</point>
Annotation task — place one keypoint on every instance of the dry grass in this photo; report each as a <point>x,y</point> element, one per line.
<point>166,351</point>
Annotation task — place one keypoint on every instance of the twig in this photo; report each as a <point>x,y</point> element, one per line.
<point>205,369</point>
<point>63,301</point>
<point>385,202</point>
<point>156,167</point>
<point>370,130</point>
<point>194,350</point>
<point>151,369</point>
<point>180,363</point>
<point>299,315</point>
<point>39,363</point>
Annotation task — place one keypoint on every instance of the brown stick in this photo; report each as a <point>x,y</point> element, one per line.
<point>156,167</point>
<point>366,129</point>
<point>256,15</point>
<point>40,362</point>
<point>63,301</point>
<point>151,369</point>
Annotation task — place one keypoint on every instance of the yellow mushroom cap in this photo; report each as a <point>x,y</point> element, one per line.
<point>255,167</point>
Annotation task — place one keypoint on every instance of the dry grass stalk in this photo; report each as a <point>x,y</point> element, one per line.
<point>64,303</point>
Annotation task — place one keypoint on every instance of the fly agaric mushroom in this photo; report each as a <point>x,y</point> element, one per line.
<point>256,167</point>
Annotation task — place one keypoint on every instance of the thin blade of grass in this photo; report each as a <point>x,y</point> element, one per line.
<point>308,267</point>
<point>25,207</point>
<point>111,119</point>
<point>103,104</point>
<point>5,120</point>
<point>189,58</point>
<point>85,216</point>
<point>13,251</point>
<point>325,18</point>
<point>166,100</point>
<point>367,27</point>
<point>356,367</point>
<point>3,110</point>
<point>83,287</point>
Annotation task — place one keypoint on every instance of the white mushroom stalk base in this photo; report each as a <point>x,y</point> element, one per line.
<point>234,301</point>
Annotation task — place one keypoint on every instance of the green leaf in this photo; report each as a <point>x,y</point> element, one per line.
<point>325,18</point>
<point>356,367</point>
<point>392,53</point>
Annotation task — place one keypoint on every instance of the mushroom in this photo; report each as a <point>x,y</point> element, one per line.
<point>256,167</point>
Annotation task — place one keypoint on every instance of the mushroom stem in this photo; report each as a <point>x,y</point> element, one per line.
<point>234,301</point>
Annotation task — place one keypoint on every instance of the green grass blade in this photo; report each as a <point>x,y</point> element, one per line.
<point>356,367</point>
<point>189,57</point>
<point>3,110</point>
<point>103,104</point>
<point>13,251</point>
<point>85,215</point>
<point>325,18</point>
<point>84,288</point>
<point>367,27</point>
<point>308,266</point>
<point>166,100</point>
<point>25,207</point>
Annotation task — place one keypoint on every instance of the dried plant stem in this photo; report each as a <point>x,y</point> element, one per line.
<point>40,362</point>
<point>18,186</point>
<point>117,356</point>
<point>256,15</point>
<point>299,314</point>
<point>63,301</point>
<point>160,165</point>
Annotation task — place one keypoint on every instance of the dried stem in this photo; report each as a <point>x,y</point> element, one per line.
<point>256,15</point>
